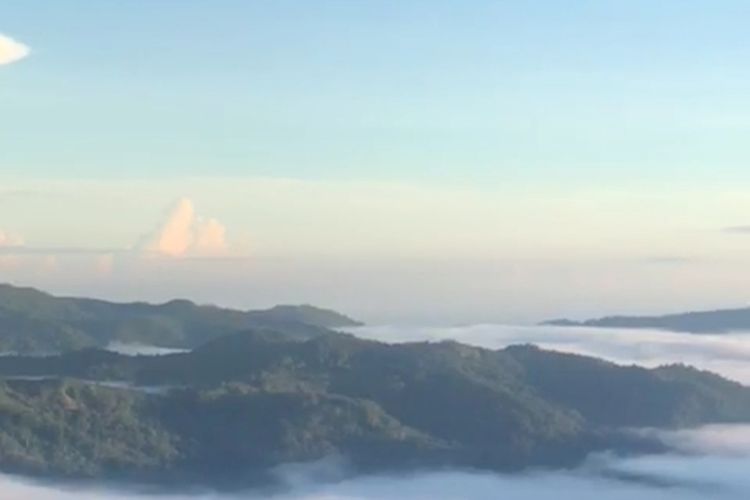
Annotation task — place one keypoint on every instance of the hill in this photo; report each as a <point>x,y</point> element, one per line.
<point>32,321</point>
<point>234,408</point>
<point>719,321</point>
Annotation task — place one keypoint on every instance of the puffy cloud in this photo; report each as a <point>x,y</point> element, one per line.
<point>210,238</point>
<point>185,234</point>
<point>175,236</point>
<point>11,50</point>
<point>184,238</point>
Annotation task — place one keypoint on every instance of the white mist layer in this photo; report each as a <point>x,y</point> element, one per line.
<point>725,354</point>
<point>711,470</point>
<point>136,349</point>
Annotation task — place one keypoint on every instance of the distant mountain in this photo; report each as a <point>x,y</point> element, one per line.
<point>32,321</point>
<point>231,410</point>
<point>720,321</point>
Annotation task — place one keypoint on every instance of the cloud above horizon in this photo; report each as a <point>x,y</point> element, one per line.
<point>183,233</point>
<point>390,251</point>
<point>186,234</point>
<point>12,50</point>
<point>183,236</point>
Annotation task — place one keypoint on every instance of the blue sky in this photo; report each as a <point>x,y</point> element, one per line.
<point>468,160</point>
<point>432,91</point>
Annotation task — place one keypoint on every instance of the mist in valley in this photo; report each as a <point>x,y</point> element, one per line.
<point>726,354</point>
<point>710,462</point>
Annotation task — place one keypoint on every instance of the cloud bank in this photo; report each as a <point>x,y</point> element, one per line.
<point>727,354</point>
<point>12,50</point>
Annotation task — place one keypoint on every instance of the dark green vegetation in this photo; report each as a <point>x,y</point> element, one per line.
<point>35,322</point>
<point>243,403</point>
<point>721,321</point>
<point>263,388</point>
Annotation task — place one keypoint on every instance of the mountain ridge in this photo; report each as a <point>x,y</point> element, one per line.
<point>715,321</point>
<point>36,322</point>
<point>256,390</point>
<point>244,403</point>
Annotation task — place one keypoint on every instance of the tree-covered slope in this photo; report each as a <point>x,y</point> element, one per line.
<point>246,402</point>
<point>719,321</point>
<point>36,322</point>
<point>233,434</point>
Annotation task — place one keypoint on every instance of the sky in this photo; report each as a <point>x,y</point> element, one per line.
<point>424,161</point>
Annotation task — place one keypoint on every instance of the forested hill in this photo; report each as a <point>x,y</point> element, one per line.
<point>719,321</point>
<point>32,321</point>
<point>239,405</point>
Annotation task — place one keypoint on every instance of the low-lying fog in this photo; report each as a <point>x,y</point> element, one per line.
<point>726,354</point>
<point>712,464</point>
<point>135,349</point>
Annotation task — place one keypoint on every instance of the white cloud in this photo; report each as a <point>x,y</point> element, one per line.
<point>719,440</point>
<point>726,354</point>
<point>11,50</point>
<point>175,236</point>
<point>210,237</point>
<point>185,234</point>
<point>408,252</point>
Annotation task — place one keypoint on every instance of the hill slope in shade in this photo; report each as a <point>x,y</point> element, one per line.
<point>32,321</point>
<point>232,409</point>
<point>719,321</point>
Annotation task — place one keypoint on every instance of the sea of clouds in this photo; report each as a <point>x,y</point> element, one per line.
<point>726,354</point>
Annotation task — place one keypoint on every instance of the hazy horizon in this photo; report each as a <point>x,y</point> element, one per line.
<point>504,162</point>
<point>394,318</point>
